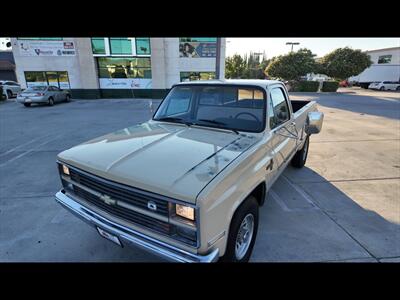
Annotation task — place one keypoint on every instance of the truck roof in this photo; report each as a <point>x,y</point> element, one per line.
<point>254,82</point>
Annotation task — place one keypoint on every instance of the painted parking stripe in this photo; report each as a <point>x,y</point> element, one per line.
<point>27,152</point>
<point>22,145</point>
<point>301,192</point>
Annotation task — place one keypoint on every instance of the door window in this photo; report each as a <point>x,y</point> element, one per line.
<point>279,112</point>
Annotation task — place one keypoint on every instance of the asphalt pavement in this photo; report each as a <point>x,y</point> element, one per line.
<point>344,205</point>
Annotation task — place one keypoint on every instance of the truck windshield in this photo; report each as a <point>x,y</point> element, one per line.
<point>229,107</point>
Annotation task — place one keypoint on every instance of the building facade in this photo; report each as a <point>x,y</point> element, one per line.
<point>385,67</point>
<point>104,67</point>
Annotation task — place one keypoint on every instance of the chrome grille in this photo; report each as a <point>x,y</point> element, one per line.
<point>120,192</point>
<point>123,193</point>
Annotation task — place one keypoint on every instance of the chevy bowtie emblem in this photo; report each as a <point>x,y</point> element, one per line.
<point>107,199</point>
<point>151,205</point>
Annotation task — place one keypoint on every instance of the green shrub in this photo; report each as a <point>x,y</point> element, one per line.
<point>330,86</point>
<point>305,86</point>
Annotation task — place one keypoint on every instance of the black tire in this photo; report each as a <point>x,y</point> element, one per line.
<point>51,101</point>
<point>382,88</point>
<point>9,94</point>
<point>398,88</point>
<point>67,98</point>
<point>248,207</point>
<point>299,159</point>
<point>27,104</point>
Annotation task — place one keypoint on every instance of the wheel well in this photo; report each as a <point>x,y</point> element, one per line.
<point>259,193</point>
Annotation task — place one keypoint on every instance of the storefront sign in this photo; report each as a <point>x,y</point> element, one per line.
<point>197,49</point>
<point>125,83</point>
<point>46,48</point>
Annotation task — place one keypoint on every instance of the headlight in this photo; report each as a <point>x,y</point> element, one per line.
<point>185,211</point>
<point>65,170</point>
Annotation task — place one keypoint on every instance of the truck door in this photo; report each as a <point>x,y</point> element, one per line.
<point>282,124</point>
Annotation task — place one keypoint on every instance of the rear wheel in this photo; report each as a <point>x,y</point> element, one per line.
<point>51,101</point>
<point>27,104</point>
<point>67,98</point>
<point>242,232</point>
<point>398,88</point>
<point>299,159</point>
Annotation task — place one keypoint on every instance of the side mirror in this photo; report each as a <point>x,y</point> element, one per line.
<point>314,122</point>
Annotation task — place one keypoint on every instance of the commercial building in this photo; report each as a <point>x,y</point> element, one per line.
<point>385,67</point>
<point>104,67</point>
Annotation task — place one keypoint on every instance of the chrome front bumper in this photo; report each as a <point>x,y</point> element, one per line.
<point>132,237</point>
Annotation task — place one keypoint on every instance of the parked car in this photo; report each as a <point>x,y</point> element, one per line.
<point>385,85</point>
<point>187,184</point>
<point>10,88</point>
<point>43,94</point>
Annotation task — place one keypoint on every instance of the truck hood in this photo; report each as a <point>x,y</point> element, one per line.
<point>171,160</point>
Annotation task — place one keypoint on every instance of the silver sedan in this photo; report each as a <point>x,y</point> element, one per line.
<point>43,94</point>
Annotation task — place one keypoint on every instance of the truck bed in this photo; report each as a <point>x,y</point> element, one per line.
<point>298,104</point>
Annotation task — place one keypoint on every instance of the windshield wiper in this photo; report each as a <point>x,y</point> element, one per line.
<point>219,123</point>
<point>212,121</point>
<point>174,119</point>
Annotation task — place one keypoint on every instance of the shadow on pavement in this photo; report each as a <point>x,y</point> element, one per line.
<point>371,105</point>
<point>312,220</point>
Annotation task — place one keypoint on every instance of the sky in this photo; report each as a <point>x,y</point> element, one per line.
<point>319,46</point>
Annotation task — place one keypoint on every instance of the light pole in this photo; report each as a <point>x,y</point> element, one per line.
<point>292,43</point>
<point>217,58</point>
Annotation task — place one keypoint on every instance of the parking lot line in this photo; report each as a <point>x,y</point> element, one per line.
<point>22,145</point>
<point>27,152</point>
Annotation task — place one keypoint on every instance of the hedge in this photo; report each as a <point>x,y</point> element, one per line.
<point>305,86</point>
<point>330,86</point>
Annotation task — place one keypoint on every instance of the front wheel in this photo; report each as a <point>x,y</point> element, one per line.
<point>27,104</point>
<point>382,88</point>
<point>398,88</point>
<point>242,232</point>
<point>9,94</point>
<point>299,159</point>
<point>51,101</point>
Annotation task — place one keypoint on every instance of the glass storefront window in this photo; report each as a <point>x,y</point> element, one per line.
<point>142,46</point>
<point>120,46</point>
<point>190,76</point>
<point>124,67</point>
<point>35,78</point>
<point>63,80</point>
<point>54,78</point>
<point>98,46</point>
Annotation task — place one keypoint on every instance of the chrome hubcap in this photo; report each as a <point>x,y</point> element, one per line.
<point>244,236</point>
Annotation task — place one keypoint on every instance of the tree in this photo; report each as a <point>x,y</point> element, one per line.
<point>293,65</point>
<point>343,63</point>
<point>235,67</point>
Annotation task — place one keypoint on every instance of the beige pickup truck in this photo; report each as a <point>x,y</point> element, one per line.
<point>187,184</point>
